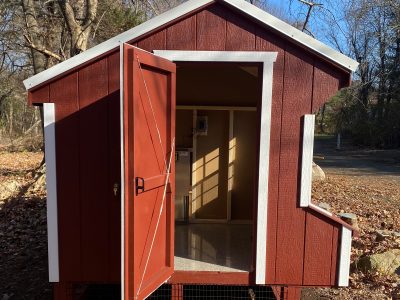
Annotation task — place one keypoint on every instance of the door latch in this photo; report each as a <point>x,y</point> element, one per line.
<point>139,182</point>
<point>115,189</point>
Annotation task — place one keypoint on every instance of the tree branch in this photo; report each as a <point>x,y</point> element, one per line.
<point>41,49</point>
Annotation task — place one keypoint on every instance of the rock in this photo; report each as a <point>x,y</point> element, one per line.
<point>317,173</point>
<point>386,263</point>
<point>350,219</point>
<point>383,234</point>
<point>325,206</point>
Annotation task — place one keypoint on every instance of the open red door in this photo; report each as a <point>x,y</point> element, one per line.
<point>149,134</point>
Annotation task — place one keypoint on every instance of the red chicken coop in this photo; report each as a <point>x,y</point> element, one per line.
<point>180,152</point>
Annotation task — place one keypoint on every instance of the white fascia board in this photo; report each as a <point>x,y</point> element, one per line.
<point>51,186</point>
<point>295,34</point>
<point>114,43</point>
<point>344,260</point>
<point>307,160</point>
<point>179,11</point>
<point>267,59</point>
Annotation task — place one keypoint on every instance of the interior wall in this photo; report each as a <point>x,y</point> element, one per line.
<point>219,84</point>
<point>242,164</point>
<point>210,172</point>
<point>184,129</point>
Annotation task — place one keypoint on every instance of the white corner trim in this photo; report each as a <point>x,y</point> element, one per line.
<point>179,11</point>
<point>121,117</point>
<point>344,259</point>
<point>307,160</point>
<point>51,186</point>
<point>267,59</point>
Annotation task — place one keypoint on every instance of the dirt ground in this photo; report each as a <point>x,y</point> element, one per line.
<point>366,183</point>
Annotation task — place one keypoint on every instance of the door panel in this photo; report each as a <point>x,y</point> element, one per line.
<point>149,130</point>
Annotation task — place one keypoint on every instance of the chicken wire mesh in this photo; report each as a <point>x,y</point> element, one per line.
<point>183,292</point>
<point>218,292</point>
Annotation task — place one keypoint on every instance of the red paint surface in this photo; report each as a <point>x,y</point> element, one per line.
<point>149,101</point>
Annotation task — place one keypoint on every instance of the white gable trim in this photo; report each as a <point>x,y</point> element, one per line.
<point>179,11</point>
<point>267,59</point>
<point>295,34</point>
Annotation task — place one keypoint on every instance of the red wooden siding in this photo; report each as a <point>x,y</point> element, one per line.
<point>291,220</point>
<point>269,42</point>
<point>154,41</point>
<point>114,170</point>
<point>302,246</point>
<point>88,165</point>
<point>64,93</point>
<point>211,29</point>
<point>182,35</point>
<point>41,95</point>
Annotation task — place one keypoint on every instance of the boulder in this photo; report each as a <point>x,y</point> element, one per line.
<point>386,263</point>
<point>317,173</point>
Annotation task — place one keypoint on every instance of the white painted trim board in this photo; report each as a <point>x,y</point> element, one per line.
<point>307,160</point>
<point>344,260</point>
<point>267,59</point>
<point>51,186</point>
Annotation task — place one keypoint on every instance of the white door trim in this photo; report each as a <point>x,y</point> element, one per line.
<point>267,59</point>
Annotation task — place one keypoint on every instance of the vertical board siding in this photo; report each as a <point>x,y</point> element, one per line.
<point>240,33</point>
<point>114,169</point>
<point>40,95</point>
<point>182,35</point>
<point>291,220</point>
<point>326,84</point>
<point>334,260</point>
<point>155,41</point>
<point>211,29</point>
<point>93,157</point>
<point>64,93</point>
<point>113,73</point>
<point>318,251</point>
<point>268,42</point>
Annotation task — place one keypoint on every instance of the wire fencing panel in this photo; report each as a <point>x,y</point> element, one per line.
<point>218,292</point>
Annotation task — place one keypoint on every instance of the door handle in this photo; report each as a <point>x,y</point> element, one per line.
<point>139,182</point>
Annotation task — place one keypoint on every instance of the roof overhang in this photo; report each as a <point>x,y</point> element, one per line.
<point>178,12</point>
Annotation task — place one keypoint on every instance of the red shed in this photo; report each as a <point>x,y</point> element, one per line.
<point>180,151</point>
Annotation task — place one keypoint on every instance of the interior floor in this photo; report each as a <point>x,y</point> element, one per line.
<point>213,247</point>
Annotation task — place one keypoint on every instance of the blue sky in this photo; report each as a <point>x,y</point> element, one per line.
<point>319,25</point>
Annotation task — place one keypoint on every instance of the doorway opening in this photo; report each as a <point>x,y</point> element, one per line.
<point>217,133</point>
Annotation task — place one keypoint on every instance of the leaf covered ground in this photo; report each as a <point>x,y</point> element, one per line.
<point>376,202</point>
<point>23,233</point>
<point>375,199</point>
